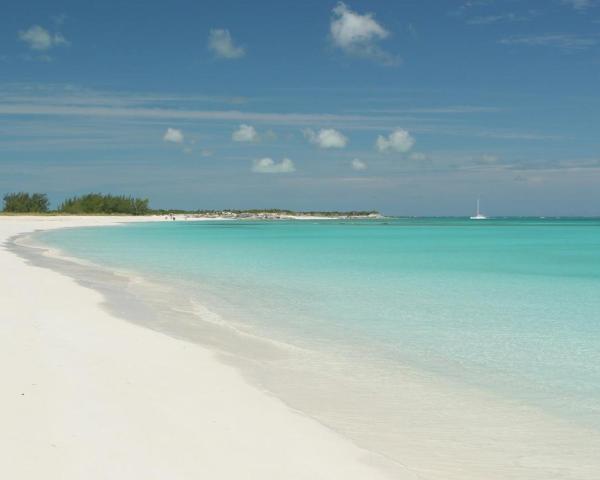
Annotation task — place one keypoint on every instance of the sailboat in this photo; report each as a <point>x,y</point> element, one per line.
<point>479,215</point>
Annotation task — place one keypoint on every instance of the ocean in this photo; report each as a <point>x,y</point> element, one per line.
<point>387,329</point>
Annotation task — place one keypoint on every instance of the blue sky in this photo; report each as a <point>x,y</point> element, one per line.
<point>411,107</point>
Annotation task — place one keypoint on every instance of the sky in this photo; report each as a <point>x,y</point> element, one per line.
<point>409,107</point>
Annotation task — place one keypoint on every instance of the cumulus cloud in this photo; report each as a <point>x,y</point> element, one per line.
<point>245,133</point>
<point>359,35</point>
<point>221,44</point>
<point>267,165</point>
<point>398,141</point>
<point>173,135</point>
<point>38,38</point>
<point>358,165</point>
<point>326,138</point>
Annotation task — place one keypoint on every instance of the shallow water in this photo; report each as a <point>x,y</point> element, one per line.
<point>488,323</point>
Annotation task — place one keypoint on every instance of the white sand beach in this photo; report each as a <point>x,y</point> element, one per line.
<point>86,395</point>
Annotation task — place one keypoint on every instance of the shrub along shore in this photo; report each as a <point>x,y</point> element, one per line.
<point>107,204</point>
<point>92,203</point>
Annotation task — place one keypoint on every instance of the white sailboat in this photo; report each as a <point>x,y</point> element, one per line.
<point>479,215</point>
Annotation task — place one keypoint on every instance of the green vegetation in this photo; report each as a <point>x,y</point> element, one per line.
<point>97,203</point>
<point>106,204</point>
<point>26,203</point>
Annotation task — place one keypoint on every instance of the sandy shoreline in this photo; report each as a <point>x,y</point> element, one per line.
<point>105,376</point>
<point>88,395</point>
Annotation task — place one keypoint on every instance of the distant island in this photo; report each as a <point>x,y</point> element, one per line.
<point>271,214</point>
<point>107,204</point>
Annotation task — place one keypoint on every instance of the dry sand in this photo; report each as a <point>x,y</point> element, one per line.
<point>86,395</point>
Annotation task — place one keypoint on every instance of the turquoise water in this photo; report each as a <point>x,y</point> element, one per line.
<point>509,306</point>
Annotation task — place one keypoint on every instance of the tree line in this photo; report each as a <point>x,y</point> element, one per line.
<point>98,203</point>
<point>92,203</point>
<point>22,202</point>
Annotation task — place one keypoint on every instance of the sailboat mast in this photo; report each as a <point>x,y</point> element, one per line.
<point>478,215</point>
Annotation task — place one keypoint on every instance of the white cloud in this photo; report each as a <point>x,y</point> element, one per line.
<point>358,34</point>
<point>326,138</point>
<point>38,38</point>
<point>245,133</point>
<point>578,4</point>
<point>267,165</point>
<point>173,135</point>
<point>358,165</point>
<point>399,141</point>
<point>67,103</point>
<point>221,43</point>
<point>115,109</point>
